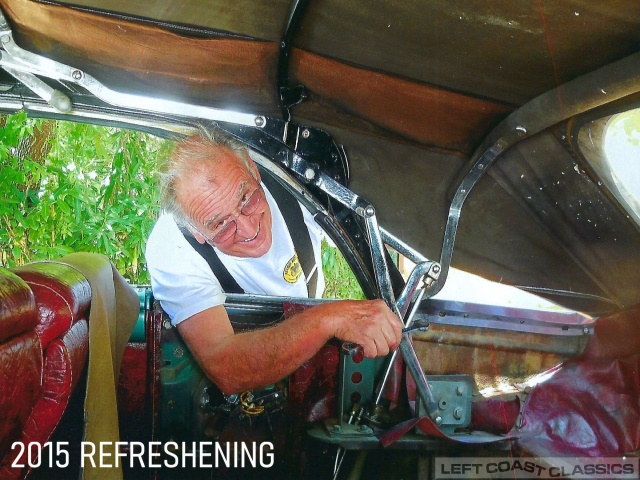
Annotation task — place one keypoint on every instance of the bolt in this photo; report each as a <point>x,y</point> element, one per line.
<point>260,121</point>
<point>309,174</point>
<point>459,390</point>
<point>369,211</point>
<point>436,269</point>
<point>305,133</point>
<point>480,166</point>
<point>585,330</point>
<point>521,131</point>
<point>178,352</point>
<point>6,39</point>
<point>77,75</point>
<point>438,420</point>
<point>457,413</point>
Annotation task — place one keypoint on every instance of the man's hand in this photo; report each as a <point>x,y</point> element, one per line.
<point>370,324</point>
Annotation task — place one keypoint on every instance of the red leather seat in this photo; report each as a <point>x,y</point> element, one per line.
<point>43,352</point>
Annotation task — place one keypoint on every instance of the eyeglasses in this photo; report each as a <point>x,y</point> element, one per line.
<point>226,228</point>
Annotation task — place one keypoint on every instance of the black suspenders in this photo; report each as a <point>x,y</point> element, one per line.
<point>292,213</point>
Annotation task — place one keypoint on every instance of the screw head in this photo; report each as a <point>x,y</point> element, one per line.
<point>305,133</point>
<point>260,121</point>
<point>77,75</point>
<point>438,420</point>
<point>459,390</point>
<point>178,352</point>
<point>585,330</point>
<point>457,413</point>
<point>5,39</point>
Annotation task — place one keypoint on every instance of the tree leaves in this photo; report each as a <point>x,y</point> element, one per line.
<point>92,191</point>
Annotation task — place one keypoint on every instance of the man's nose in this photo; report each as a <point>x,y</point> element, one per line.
<point>247,225</point>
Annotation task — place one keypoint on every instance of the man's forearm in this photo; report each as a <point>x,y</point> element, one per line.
<point>237,362</point>
<point>262,357</point>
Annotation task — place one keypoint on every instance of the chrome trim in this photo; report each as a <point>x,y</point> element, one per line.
<point>401,247</point>
<point>20,60</point>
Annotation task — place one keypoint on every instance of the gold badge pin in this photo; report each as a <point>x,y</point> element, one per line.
<point>292,270</point>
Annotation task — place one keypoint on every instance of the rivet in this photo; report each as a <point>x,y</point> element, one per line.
<point>309,174</point>
<point>438,420</point>
<point>178,352</point>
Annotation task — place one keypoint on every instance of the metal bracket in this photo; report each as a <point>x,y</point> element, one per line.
<point>453,398</point>
<point>356,378</point>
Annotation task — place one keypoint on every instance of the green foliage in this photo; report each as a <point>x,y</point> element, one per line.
<point>91,191</point>
<point>340,280</point>
<point>630,121</point>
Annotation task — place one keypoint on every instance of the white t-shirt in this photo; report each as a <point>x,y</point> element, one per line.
<point>184,284</point>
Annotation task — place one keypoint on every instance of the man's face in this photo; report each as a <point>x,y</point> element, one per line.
<point>227,206</point>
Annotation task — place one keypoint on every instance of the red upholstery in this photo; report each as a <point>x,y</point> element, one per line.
<point>62,296</point>
<point>20,371</point>
<point>43,351</point>
<point>591,405</point>
<point>17,309</point>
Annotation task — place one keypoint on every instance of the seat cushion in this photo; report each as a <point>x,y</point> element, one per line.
<point>17,306</point>
<point>20,387</point>
<point>64,363</point>
<point>62,295</point>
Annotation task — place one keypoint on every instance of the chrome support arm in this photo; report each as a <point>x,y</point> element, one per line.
<point>311,174</point>
<point>18,61</point>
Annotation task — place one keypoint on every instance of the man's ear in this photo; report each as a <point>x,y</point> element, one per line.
<point>197,235</point>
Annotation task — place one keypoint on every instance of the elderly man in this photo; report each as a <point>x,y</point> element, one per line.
<point>213,197</point>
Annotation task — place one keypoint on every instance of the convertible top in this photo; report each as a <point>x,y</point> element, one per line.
<point>415,91</point>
